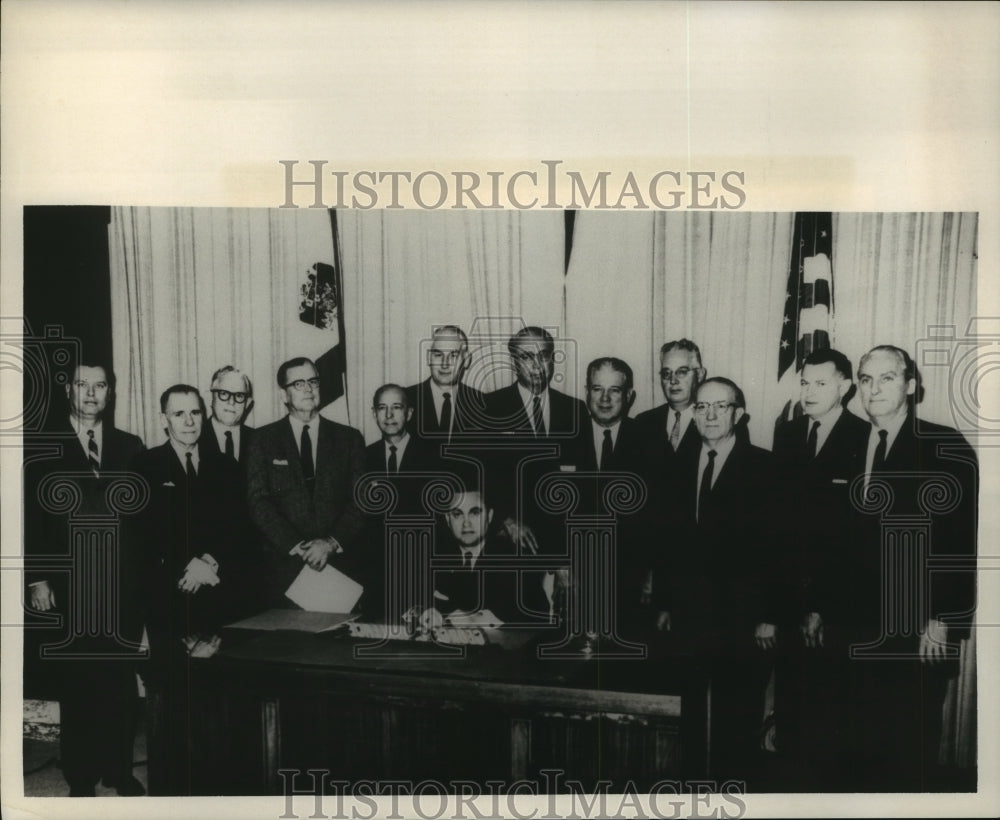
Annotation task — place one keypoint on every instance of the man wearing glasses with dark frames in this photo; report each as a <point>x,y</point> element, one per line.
<point>232,401</point>
<point>715,583</point>
<point>301,472</point>
<point>671,425</point>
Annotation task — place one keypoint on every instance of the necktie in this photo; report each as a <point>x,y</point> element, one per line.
<point>189,467</point>
<point>812,440</point>
<point>93,457</point>
<point>393,463</point>
<point>537,419</point>
<point>446,414</point>
<point>878,463</point>
<point>675,431</point>
<point>306,453</point>
<point>607,448</point>
<point>466,559</point>
<point>230,447</point>
<point>706,482</point>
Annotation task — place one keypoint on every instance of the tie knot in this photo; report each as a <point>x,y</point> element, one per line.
<point>90,433</point>
<point>883,435</point>
<point>187,456</point>
<point>815,425</point>
<point>711,455</point>
<point>607,434</point>
<point>229,433</point>
<point>446,394</point>
<point>392,449</point>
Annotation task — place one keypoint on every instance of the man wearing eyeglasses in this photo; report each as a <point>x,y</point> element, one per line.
<point>301,472</point>
<point>531,406</point>
<point>442,404</point>
<point>98,696</point>
<point>232,401</point>
<point>715,586</point>
<point>671,426</point>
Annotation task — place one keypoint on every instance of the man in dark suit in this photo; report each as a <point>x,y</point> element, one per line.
<point>232,401</point>
<point>402,460</point>
<point>817,459</point>
<point>918,508</point>
<point>484,581</point>
<point>714,586</point>
<point>671,426</point>
<point>611,442</point>
<point>301,472</point>
<point>189,537</point>
<point>442,405</point>
<point>98,696</point>
<point>531,407</point>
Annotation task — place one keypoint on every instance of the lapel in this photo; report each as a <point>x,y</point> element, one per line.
<point>428,415</point>
<point>289,448</point>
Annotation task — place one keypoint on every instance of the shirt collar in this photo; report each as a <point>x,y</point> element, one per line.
<point>892,428</point>
<point>181,454</point>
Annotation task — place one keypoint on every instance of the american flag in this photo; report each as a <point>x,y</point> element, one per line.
<point>808,318</point>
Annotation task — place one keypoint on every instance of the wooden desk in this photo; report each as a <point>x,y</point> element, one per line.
<point>294,701</point>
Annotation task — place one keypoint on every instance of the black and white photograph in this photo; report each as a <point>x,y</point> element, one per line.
<point>513,497</point>
<point>503,409</point>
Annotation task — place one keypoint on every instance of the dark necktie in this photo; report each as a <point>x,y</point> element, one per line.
<point>607,448</point>
<point>93,457</point>
<point>878,463</point>
<point>536,416</point>
<point>466,559</point>
<point>812,440</point>
<point>706,483</point>
<point>446,414</point>
<point>675,432</point>
<point>189,467</point>
<point>393,463</point>
<point>230,447</point>
<point>306,453</point>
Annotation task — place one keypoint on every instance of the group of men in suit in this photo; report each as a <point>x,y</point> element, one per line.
<point>735,554</point>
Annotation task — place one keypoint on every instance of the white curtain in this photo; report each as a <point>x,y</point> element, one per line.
<point>899,279</point>
<point>194,289</point>
<point>636,282</point>
<point>407,272</point>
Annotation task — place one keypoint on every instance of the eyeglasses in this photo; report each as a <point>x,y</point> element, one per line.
<point>226,395</point>
<point>527,357</point>
<point>300,384</point>
<point>681,373</point>
<point>701,407</point>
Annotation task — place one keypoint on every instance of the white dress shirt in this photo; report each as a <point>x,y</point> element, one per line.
<point>528,400</point>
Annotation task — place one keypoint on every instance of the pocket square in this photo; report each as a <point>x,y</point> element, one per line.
<point>840,481</point>
<point>168,484</point>
<point>280,462</point>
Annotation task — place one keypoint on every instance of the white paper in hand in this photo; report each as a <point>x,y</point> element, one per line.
<point>326,591</point>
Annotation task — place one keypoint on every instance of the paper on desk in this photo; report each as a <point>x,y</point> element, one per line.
<point>326,591</point>
<point>479,618</point>
<point>294,619</point>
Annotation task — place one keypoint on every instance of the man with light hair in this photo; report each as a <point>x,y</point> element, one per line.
<point>232,401</point>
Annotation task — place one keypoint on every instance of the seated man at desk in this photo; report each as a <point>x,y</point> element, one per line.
<point>481,581</point>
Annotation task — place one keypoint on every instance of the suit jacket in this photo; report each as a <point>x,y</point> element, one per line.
<point>920,450</point>
<point>209,443</point>
<point>468,411</point>
<point>47,534</point>
<point>507,415</point>
<point>816,507</point>
<point>655,423</point>
<point>495,583</point>
<point>286,513</point>
<point>717,577</point>
<point>186,519</point>
<point>641,533</point>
